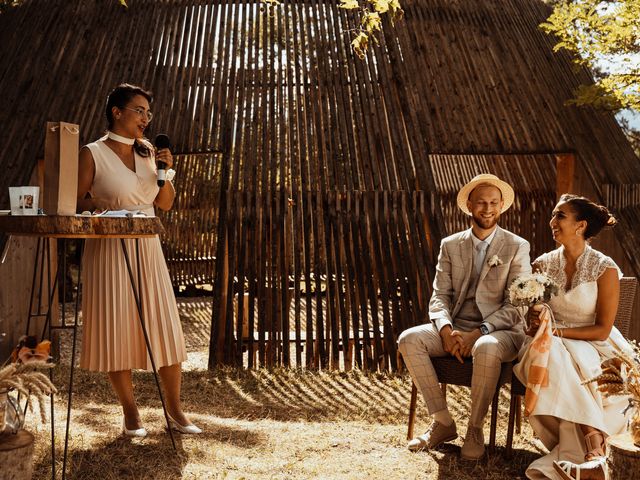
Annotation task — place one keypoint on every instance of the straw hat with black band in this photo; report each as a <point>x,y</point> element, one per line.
<point>485,180</point>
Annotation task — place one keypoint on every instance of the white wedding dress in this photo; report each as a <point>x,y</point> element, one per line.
<point>564,403</point>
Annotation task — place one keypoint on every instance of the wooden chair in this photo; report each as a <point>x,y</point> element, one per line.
<point>628,286</point>
<point>452,372</point>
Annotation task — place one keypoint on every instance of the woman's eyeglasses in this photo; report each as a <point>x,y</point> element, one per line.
<point>141,112</point>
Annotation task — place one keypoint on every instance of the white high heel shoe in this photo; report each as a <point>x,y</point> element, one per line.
<point>136,432</point>
<point>188,429</point>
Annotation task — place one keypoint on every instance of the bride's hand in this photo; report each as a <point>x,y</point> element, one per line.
<point>533,320</point>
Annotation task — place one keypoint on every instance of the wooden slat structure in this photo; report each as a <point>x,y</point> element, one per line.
<point>314,186</point>
<point>189,239</point>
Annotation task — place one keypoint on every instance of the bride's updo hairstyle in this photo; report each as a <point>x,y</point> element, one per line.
<point>596,216</point>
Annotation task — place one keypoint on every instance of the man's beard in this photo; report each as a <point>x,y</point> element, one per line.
<point>486,223</point>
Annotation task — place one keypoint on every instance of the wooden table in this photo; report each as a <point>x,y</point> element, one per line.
<point>80,227</point>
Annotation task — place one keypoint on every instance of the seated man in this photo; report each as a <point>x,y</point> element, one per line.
<point>469,313</point>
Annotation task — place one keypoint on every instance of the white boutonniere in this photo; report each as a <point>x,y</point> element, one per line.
<point>494,261</point>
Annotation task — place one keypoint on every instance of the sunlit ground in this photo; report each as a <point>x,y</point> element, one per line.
<point>265,424</point>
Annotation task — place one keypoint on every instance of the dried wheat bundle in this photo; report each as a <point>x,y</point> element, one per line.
<point>621,375</point>
<point>25,379</point>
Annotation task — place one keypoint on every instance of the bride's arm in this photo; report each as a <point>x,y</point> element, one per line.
<point>606,309</point>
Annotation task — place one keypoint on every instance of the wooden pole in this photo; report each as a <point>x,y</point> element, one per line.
<point>566,165</point>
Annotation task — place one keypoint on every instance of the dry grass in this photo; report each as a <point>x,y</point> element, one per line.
<point>268,424</point>
<point>264,424</point>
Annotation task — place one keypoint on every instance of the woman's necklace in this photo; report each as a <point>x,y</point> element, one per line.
<point>120,138</point>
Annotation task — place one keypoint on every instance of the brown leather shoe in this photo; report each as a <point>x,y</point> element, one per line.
<point>434,437</point>
<point>473,447</point>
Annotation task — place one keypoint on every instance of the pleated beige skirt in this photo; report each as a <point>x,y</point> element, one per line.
<point>113,339</point>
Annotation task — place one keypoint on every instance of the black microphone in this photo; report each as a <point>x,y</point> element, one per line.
<point>162,141</point>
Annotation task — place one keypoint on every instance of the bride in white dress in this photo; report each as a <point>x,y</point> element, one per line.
<point>573,420</point>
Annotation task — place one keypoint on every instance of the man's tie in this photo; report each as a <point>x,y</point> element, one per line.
<point>481,252</point>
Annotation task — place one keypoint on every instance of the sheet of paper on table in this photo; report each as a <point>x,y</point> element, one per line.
<point>123,213</point>
<point>116,213</point>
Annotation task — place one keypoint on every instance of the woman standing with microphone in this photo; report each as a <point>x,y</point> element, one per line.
<point>118,172</point>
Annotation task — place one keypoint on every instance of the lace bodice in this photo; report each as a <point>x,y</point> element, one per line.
<point>576,306</point>
<point>589,266</point>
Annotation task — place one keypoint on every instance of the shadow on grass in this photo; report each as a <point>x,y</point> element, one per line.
<point>494,465</point>
<point>154,457</point>
<point>92,418</point>
<point>283,395</point>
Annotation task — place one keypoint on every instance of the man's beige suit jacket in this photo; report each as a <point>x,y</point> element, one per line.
<point>453,277</point>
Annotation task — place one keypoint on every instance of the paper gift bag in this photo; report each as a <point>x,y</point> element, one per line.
<point>61,168</point>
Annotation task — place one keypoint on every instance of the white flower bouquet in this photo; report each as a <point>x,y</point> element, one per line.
<point>527,290</point>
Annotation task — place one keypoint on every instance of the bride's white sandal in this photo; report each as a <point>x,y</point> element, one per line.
<point>564,467</point>
<point>595,459</point>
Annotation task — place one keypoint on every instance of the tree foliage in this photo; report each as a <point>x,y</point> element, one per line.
<point>369,12</point>
<point>603,35</point>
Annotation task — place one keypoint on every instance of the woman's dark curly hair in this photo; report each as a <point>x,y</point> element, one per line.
<point>596,216</point>
<point>120,97</point>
